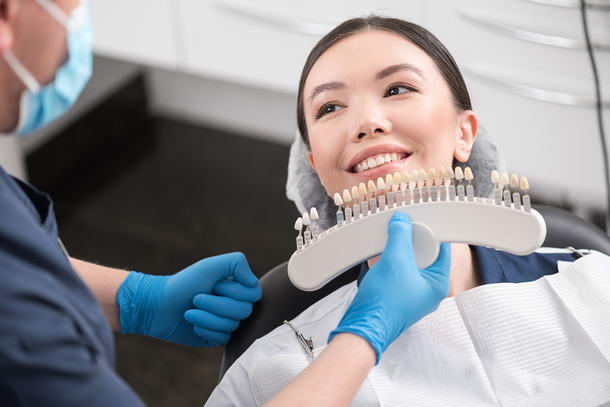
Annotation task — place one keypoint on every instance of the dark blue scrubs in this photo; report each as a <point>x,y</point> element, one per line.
<point>495,266</point>
<point>56,348</point>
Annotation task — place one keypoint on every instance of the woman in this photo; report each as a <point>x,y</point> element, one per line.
<point>374,86</point>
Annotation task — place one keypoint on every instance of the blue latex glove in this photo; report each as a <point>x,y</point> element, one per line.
<point>222,289</point>
<point>394,294</point>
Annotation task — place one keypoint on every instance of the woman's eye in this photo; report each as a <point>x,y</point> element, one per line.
<point>328,108</point>
<point>398,90</point>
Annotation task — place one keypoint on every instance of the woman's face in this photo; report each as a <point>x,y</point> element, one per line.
<point>374,94</point>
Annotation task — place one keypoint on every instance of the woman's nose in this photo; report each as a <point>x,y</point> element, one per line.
<point>374,126</point>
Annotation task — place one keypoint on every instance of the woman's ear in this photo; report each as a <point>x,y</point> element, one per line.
<point>8,9</point>
<point>466,134</point>
<point>312,163</point>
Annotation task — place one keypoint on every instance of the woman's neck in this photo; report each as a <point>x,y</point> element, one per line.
<point>463,274</point>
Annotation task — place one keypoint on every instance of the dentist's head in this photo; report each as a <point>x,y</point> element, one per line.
<point>45,61</point>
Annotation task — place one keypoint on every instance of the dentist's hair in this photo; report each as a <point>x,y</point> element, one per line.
<point>412,33</point>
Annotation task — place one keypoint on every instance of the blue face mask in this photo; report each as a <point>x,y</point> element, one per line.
<point>41,105</point>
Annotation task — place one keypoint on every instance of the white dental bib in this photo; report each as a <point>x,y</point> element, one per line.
<point>542,343</point>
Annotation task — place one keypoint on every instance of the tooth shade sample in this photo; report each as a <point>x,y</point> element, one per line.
<point>514,181</point>
<point>298,225</point>
<point>389,180</point>
<point>306,220</point>
<point>346,196</point>
<point>422,176</point>
<point>380,184</point>
<point>459,174</point>
<point>504,179</point>
<point>371,187</point>
<point>313,214</point>
<point>523,184</point>
<point>397,178</point>
<point>355,193</point>
<point>337,199</point>
<point>362,190</point>
<point>450,173</point>
<point>495,177</point>
<point>468,174</point>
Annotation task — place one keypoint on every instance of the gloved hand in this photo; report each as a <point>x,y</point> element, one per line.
<point>394,294</point>
<point>222,288</point>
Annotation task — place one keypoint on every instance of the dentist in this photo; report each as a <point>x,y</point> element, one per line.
<point>56,312</point>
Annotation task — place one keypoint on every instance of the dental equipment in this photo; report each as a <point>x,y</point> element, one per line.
<point>339,202</point>
<point>315,228</point>
<point>364,205</point>
<point>306,223</point>
<point>356,207</point>
<point>438,215</point>
<point>347,198</point>
<point>298,225</point>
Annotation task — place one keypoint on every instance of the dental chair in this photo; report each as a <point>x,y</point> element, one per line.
<point>283,301</point>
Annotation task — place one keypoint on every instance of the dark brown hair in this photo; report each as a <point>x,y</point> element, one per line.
<point>411,32</point>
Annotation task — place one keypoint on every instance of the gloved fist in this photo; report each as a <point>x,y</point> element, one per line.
<point>198,306</point>
<point>394,294</point>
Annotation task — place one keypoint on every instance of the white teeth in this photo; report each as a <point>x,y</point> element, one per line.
<point>377,160</point>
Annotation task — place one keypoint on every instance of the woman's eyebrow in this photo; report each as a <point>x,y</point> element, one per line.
<point>397,68</point>
<point>324,87</point>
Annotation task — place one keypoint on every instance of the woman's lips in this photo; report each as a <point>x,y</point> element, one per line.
<point>382,170</point>
<point>358,161</point>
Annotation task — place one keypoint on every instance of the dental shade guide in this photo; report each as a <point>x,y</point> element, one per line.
<point>440,185</point>
<point>315,228</point>
<point>459,177</point>
<point>373,201</point>
<point>381,186</point>
<point>338,203</point>
<point>306,223</point>
<point>514,187</point>
<point>389,182</point>
<point>364,203</point>
<point>495,180</point>
<point>510,225</point>
<point>399,194</point>
<point>356,208</point>
<point>468,176</point>
<point>298,225</point>
<point>414,186</point>
<point>451,187</point>
<point>347,198</point>
<point>524,186</point>
<point>506,195</point>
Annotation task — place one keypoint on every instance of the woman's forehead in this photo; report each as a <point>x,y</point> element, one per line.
<point>363,55</point>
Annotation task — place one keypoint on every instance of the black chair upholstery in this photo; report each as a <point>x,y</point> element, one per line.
<point>283,301</point>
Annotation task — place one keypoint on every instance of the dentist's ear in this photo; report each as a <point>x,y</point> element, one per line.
<point>466,133</point>
<point>310,160</point>
<point>8,9</point>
